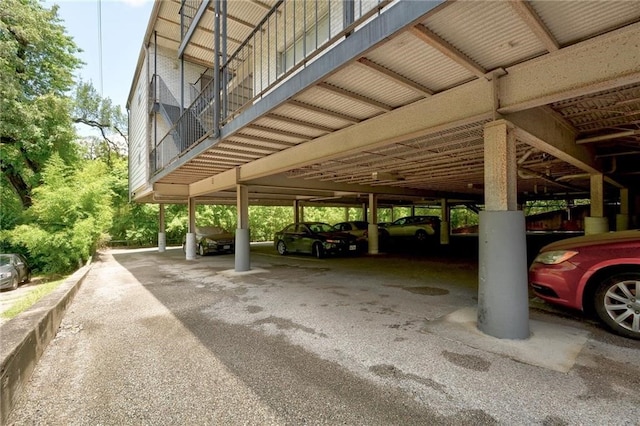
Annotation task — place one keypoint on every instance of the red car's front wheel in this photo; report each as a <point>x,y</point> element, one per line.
<point>617,303</point>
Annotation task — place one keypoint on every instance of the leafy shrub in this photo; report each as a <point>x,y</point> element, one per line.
<point>70,215</point>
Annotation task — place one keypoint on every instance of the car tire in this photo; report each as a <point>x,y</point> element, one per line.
<point>27,279</point>
<point>617,303</point>
<point>201,251</point>
<point>14,283</point>
<point>421,236</point>
<point>281,247</point>
<point>317,250</point>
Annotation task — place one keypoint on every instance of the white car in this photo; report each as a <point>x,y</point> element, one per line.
<point>420,228</point>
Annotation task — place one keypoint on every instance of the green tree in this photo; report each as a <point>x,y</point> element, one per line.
<point>70,215</point>
<point>37,61</point>
<point>91,109</point>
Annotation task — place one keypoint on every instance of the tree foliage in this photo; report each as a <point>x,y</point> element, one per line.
<point>37,61</point>
<point>91,109</point>
<point>70,215</point>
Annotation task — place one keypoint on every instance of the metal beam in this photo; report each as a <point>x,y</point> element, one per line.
<point>279,132</point>
<point>354,96</point>
<point>301,123</point>
<point>195,22</point>
<point>330,113</point>
<point>391,75</point>
<point>543,131</point>
<point>553,78</point>
<point>535,24</point>
<point>435,41</point>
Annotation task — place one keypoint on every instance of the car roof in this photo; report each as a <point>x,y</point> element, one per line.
<point>594,239</point>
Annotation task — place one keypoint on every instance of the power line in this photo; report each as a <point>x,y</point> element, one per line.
<point>100,42</point>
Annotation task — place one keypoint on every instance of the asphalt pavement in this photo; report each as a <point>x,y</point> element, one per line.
<point>154,339</point>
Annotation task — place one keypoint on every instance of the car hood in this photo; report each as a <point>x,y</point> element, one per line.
<point>594,239</point>
<point>6,268</point>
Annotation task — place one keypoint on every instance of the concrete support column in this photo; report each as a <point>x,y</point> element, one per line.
<point>596,223</point>
<point>162,236</point>
<point>445,227</point>
<point>622,218</point>
<point>373,224</point>
<point>190,244</point>
<point>242,257</point>
<point>296,211</point>
<point>503,304</point>
<point>364,212</point>
<point>413,210</point>
<point>346,214</point>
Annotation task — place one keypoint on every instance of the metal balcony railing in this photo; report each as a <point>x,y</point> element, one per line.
<point>288,37</point>
<point>188,10</point>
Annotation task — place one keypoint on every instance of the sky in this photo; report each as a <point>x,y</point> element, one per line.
<point>124,23</point>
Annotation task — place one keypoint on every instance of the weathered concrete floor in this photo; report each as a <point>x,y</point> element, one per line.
<point>154,339</point>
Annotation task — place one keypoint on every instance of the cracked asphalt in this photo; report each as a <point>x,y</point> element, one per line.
<point>152,338</point>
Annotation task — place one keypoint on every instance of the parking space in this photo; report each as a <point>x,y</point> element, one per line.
<point>385,339</point>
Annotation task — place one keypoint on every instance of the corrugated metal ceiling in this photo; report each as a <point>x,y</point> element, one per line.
<point>489,35</point>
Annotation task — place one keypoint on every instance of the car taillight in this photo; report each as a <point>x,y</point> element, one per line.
<point>555,257</point>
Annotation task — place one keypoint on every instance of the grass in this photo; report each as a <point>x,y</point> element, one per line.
<point>30,299</point>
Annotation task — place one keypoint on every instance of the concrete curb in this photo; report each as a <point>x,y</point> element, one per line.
<point>25,338</point>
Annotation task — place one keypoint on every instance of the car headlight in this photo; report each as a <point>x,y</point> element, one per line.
<point>333,241</point>
<point>555,257</point>
<point>5,274</point>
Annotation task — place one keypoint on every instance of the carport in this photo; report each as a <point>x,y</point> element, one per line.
<point>491,103</point>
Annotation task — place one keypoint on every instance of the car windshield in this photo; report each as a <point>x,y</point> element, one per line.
<point>5,260</point>
<point>321,227</point>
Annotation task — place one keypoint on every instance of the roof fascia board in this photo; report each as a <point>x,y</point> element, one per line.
<point>142,55</point>
<point>170,189</point>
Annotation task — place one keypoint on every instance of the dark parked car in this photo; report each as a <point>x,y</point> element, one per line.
<point>420,228</point>
<point>317,238</point>
<point>595,273</point>
<point>213,239</point>
<point>13,271</point>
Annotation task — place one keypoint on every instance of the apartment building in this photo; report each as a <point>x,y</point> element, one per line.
<point>381,102</point>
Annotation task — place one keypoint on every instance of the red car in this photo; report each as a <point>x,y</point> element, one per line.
<point>595,273</point>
